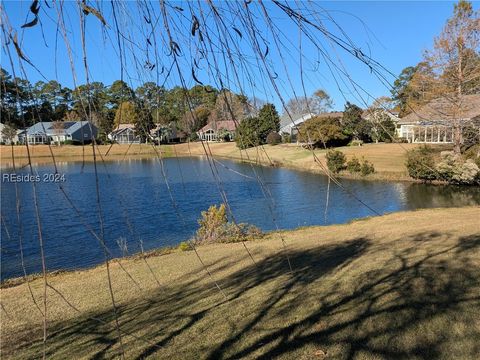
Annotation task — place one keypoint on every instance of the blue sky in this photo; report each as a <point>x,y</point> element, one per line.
<point>393,33</point>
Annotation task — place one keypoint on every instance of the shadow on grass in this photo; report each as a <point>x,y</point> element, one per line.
<point>350,299</point>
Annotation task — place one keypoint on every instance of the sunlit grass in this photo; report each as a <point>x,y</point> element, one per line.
<point>404,285</point>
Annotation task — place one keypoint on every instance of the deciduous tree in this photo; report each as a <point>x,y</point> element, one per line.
<point>454,60</point>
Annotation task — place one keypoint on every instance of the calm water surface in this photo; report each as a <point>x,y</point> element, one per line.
<point>137,207</point>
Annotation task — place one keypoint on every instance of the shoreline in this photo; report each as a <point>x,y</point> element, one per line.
<point>388,162</point>
<point>337,271</point>
<point>174,249</point>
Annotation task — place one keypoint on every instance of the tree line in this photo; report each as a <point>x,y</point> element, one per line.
<point>23,104</point>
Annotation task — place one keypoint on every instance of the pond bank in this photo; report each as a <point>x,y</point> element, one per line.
<point>411,272</point>
<point>388,159</point>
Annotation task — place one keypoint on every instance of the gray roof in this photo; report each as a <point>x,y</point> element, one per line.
<point>442,109</point>
<point>51,128</point>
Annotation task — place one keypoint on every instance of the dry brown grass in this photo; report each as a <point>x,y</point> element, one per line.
<point>42,154</point>
<point>404,285</point>
<point>388,159</point>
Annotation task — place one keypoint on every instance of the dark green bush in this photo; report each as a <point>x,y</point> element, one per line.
<point>274,138</point>
<point>322,132</point>
<point>421,164</point>
<point>354,166</point>
<point>367,168</point>
<point>336,161</point>
<point>247,134</point>
<point>286,138</point>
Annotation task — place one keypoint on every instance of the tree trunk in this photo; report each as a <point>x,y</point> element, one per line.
<point>457,137</point>
<point>457,128</point>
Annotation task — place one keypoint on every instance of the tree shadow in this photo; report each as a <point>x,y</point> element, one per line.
<point>350,299</point>
<point>468,243</point>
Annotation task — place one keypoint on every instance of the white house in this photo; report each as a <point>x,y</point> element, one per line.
<point>432,123</point>
<point>289,124</point>
<point>124,134</point>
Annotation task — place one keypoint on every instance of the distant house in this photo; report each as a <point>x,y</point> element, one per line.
<point>432,123</point>
<point>218,130</point>
<point>45,132</point>
<point>124,134</point>
<point>21,136</point>
<point>289,125</point>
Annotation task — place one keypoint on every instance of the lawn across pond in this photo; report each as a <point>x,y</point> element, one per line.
<point>388,159</point>
<point>404,285</point>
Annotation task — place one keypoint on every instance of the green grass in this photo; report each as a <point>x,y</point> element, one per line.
<point>404,285</point>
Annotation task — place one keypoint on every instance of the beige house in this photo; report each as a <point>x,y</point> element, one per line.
<point>432,123</point>
<point>124,134</point>
<point>218,130</point>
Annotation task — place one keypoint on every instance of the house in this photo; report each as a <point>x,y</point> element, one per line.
<point>20,137</point>
<point>124,134</point>
<point>289,125</point>
<point>45,132</point>
<point>218,131</point>
<point>432,123</point>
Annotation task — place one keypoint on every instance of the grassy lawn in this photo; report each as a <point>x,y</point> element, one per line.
<point>404,285</point>
<point>43,153</point>
<point>388,159</point>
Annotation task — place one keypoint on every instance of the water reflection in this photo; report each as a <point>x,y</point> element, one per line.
<point>137,206</point>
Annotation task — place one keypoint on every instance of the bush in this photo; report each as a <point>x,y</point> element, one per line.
<point>420,164</point>
<point>322,132</point>
<point>193,137</point>
<point>454,169</point>
<point>355,143</point>
<point>215,228</point>
<point>367,168</point>
<point>473,153</point>
<point>211,222</point>
<point>184,246</point>
<point>224,135</point>
<point>336,161</point>
<point>401,140</point>
<point>354,166</point>
<point>231,233</point>
<point>274,138</point>
<point>286,138</point>
<point>247,133</point>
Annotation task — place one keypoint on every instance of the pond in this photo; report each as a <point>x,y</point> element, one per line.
<point>140,210</point>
